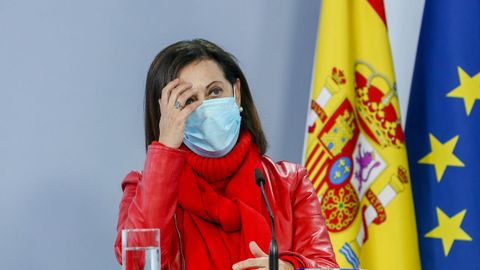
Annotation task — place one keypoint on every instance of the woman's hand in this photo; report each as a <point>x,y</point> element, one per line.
<point>260,261</point>
<point>174,111</point>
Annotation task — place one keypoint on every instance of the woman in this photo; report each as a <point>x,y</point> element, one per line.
<point>204,141</point>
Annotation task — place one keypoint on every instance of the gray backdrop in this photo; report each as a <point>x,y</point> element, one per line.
<point>71,98</point>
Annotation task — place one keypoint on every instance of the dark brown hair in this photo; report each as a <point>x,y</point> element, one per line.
<point>172,59</point>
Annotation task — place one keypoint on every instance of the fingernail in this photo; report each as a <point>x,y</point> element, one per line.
<point>234,267</point>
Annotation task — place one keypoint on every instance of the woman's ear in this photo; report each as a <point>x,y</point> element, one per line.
<point>237,89</point>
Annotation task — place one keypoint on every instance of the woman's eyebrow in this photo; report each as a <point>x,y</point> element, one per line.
<point>212,83</point>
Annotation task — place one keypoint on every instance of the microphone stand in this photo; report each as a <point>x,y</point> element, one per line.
<point>273,252</point>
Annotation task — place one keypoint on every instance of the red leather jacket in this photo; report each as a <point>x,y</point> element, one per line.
<point>300,227</point>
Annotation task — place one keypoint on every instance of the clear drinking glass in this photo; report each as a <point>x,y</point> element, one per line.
<point>141,249</point>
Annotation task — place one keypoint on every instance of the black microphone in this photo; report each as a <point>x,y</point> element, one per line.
<point>273,253</point>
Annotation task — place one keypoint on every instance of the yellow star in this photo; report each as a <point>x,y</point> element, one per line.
<point>442,156</point>
<point>469,89</point>
<point>336,175</point>
<point>346,169</point>
<point>449,230</point>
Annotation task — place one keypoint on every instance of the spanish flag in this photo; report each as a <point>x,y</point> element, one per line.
<point>355,145</point>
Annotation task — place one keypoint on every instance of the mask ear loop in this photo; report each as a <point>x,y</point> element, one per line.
<point>234,97</point>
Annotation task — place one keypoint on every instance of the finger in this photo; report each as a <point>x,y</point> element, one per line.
<point>176,92</point>
<point>185,95</point>
<point>167,90</point>
<point>259,263</point>
<point>256,250</point>
<point>188,109</point>
<point>286,265</point>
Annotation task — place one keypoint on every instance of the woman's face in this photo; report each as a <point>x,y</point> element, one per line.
<point>208,81</point>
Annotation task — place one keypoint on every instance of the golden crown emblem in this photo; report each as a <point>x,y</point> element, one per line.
<point>378,114</point>
<point>338,76</point>
<point>402,174</point>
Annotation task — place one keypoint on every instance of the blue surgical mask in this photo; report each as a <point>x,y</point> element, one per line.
<point>212,129</point>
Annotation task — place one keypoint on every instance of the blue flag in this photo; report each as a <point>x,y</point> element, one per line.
<point>443,135</point>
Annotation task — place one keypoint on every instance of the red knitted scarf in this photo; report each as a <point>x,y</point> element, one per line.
<point>222,207</point>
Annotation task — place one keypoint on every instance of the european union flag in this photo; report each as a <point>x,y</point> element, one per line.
<point>443,135</point>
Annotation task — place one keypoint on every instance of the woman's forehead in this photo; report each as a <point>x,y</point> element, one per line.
<point>202,74</point>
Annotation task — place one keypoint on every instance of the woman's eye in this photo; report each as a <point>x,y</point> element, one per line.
<point>189,101</point>
<point>215,92</point>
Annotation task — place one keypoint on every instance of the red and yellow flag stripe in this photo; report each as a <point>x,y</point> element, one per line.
<point>355,151</point>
